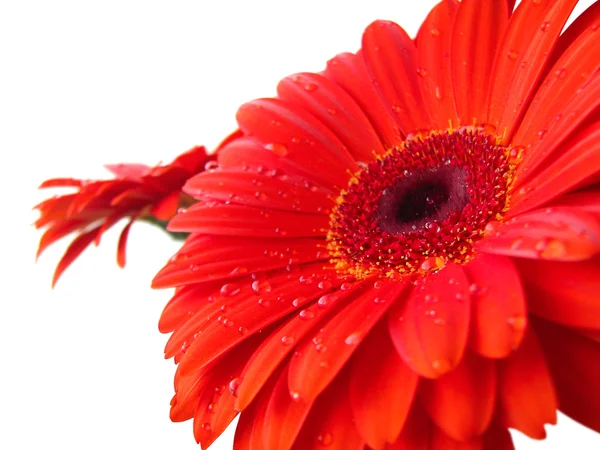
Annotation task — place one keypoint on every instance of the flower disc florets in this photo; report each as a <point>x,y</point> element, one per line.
<point>422,204</point>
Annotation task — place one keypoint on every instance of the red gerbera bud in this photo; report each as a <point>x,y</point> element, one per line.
<point>137,192</point>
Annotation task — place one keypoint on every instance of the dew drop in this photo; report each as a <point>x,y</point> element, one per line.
<point>542,134</point>
<point>212,408</point>
<point>206,427</point>
<point>306,314</point>
<point>491,228</point>
<point>326,300</point>
<point>377,285</point>
<point>265,303</point>
<point>551,248</point>
<point>438,92</point>
<point>430,298</point>
<point>435,32</point>
<point>325,285</point>
<point>243,331</point>
<point>518,323</point>
<point>229,290</point>
<point>421,72</point>
<point>310,87</point>
<point>379,300</point>
<point>332,111</point>
<point>277,149</point>
<point>295,395</point>
<point>261,287</point>
<point>537,2</point>
<point>325,439</point>
<point>560,73</point>
<point>320,348</point>
<point>287,340</point>
<point>233,386</point>
<point>512,55</point>
<point>211,165</point>
<point>346,286</point>
<point>441,366</point>
<point>353,338</point>
<point>544,26</point>
<point>439,321</point>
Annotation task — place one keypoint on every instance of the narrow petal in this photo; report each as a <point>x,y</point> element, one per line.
<point>573,362</point>
<point>521,57</point>
<point>123,243</point>
<point>391,60</point>
<point>58,231</point>
<point>526,393</point>
<point>244,313</point>
<point>260,190</point>
<point>441,441</point>
<point>330,423</point>
<point>61,182</point>
<point>430,330</point>
<point>283,341</point>
<point>349,71</point>
<point>478,28</point>
<point>498,305</point>
<point>294,134</point>
<point>245,154</point>
<point>562,234</point>
<point>167,207</point>
<point>566,293</point>
<point>433,55</point>
<point>461,403</point>
<point>391,384</point>
<point>132,172</point>
<point>567,98</point>
<point>416,434</point>
<point>284,416</point>
<point>329,103</point>
<point>578,162</point>
<point>237,220</point>
<point>323,354</point>
<point>73,251</point>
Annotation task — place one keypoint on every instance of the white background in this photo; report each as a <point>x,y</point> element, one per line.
<point>85,83</point>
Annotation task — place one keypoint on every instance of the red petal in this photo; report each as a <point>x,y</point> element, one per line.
<point>521,57</point>
<point>497,438</point>
<point>382,388</point>
<point>498,303</point>
<point>433,51</point>
<point>80,243</point>
<point>476,34</point>
<point>430,330</point>
<point>132,172</point>
<point>579,160</point>
<point>570,94</point>
<point>566,293</point>
<point>62,182</point>
<point>527,398</point>
<point>226,257</point>
<point>245,313</point>
<point>167,207</point>
<point>574,364</point>
<point>349,71</point>
<point>283,341</point>
<point>416,434</point>
<point>336,109</point>
<point>247,155</point>
<point>330,423</point>
<point>321,356</point>
<point>391,59</point>
<point>59,230</point>
<point>292,133</point>
<point>462,402</point>
<point>284,416</point>
<point>237,220</point>
<point>123,243</point>
<point>193,160</point>
<point>241,187</point>
<point>563,234</point>
<point>441,441</point>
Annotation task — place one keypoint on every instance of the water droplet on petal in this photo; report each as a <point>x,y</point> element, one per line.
<point>512,55</point>
<point>518,323</point>
<point>542,134</point>
<point>277,149</point>
<point>435,32</point>
<point>261,287</point>
<point>212,408</point>
<point>551,248</point>
<point>295,396</point>
<point>243,331</point>
<point>441,366</point>
<point>211,165</point>
<point>264,302</point>
<point>233,386</point>
<point>310,87</point>
<point>229,290</point>
<point>287,340</point>
<point>353,338</point>
<point>306,314</point>
<point>325,285</point>
<point>544,26</point>
<point>206,427</point>
<point>325,439</point>
<point>346,286</point>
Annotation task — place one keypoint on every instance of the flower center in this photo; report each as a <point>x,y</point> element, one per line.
<point>421,205</point>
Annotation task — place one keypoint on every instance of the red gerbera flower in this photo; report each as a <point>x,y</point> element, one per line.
<point>137,192</point>
<point>401,251</point>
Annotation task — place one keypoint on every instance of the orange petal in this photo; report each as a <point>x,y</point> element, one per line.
<point>430,330</point>
<point>382,388</point>
<point>462,402</point>
<point>527,398</point>
<point>498,305</point>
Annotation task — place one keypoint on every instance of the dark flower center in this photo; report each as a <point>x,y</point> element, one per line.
<point>421,205</point>
<point>422,197</point>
